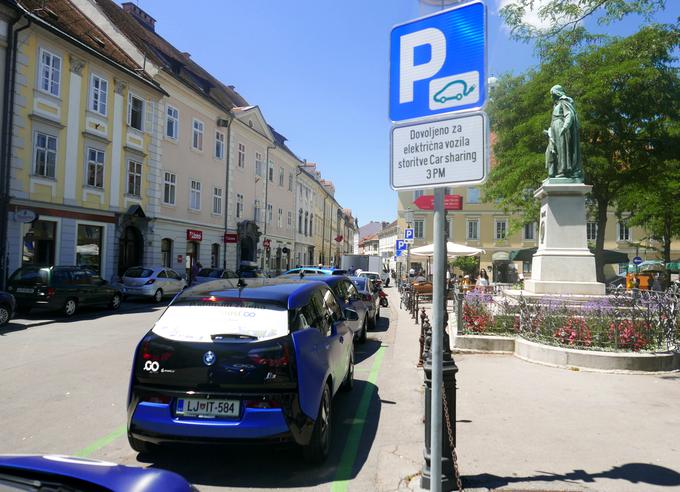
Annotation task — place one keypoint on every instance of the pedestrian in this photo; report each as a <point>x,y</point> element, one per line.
<point>656,285</point>
<point>483,281</point>
<point>636,287</point>
<point>352,271</point>
<point>195,268</point>
<point>411,272</point>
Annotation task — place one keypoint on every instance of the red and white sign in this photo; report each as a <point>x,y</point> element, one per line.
<point>338,239</point>
<point>267,243</point>
<point>194,235</point>
<point>451,202</point>
<point>180,259</point>
<point>230,238</point>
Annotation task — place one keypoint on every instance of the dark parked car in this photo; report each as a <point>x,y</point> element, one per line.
<point>255,360</point>
<point>369,293</point>
<point>61,288</point>
<point>58,472</point>
<point>7,307</point>
<point>210,274</point>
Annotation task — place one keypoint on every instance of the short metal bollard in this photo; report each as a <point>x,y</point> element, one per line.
<point>424,327</point>
<point>448,479</point>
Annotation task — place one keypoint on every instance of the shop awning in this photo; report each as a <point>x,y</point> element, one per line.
<point>608,255</point>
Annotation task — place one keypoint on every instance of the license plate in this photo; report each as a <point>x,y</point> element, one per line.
<point>209,409</point>
<point>25,290</point>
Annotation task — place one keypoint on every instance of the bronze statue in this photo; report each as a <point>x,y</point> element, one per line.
<point>563,154</point>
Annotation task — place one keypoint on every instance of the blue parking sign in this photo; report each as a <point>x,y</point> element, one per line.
<point>438,63</point>
<point>401,245</point>
<point>408,233</point>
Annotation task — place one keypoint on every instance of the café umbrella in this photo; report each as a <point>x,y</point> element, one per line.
<point>452,250</point>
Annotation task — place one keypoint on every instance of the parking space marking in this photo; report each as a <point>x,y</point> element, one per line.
<point>102,442</point>
<point>344,472</point>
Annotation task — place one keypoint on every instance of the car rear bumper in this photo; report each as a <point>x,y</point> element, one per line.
<point>158,423</point>
<point>140,291</point>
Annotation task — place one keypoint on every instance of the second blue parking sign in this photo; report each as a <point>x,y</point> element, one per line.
<point>438,63</point>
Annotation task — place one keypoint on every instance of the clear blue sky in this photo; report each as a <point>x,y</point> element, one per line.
<point>319,72</point>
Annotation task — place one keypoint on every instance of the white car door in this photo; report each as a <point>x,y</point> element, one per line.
<point>177,282</point>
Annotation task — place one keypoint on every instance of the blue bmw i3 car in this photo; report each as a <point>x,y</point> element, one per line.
<point>253,360</point>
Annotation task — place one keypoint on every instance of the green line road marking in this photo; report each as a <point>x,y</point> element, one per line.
<point>344,471</point>
<point>104,441</point>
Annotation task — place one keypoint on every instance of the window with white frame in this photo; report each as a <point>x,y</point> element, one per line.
<point>526,267</point>
<point>134,181</point>
<point>217,200</point>
<point>172,123</point>
<point>282,176</point>
<point>241,155</point>
<point>169,188</point>
<point>95,168</point>
<point>259,165</point>
<point>279,219</point>
<point>194,194</point>
<point>50,72</point>
<point>472,230</point>
<point>197,136</point>
<point>239,205</point>
<point>290,182</point>
<point>98,94</point>
<point>529,231</point>
<point>418,193</point>
<point>473,195</point>
<point>270,213</point>
<point>271,172</point>
<point>591,231</point>
<point>501,229</point>
<point>256,211</point>
<point>135,112</point>
<point>622,232</point>
<point>419,229</point>
<point>219,145</point>
<point>45,155</point>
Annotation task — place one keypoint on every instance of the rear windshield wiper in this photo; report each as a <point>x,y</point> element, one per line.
<point>231,337</point>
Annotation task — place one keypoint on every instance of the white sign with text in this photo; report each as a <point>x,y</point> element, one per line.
<point>445,152</point>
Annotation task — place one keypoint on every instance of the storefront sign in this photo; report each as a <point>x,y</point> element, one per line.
<point>25,215</point>
<point>194,235</point>
<point>180,259</point>
<point>230,238</point>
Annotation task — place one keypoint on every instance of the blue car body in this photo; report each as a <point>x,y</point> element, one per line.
<point>311,270</point>
<point>276,383</point>
<point>82,473</point>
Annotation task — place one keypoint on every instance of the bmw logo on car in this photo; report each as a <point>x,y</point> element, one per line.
<point>209,358</point>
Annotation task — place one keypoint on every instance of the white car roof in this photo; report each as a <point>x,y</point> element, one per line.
<point>368,273</point>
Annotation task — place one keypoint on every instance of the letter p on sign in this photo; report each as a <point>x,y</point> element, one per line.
<point>409,71</point>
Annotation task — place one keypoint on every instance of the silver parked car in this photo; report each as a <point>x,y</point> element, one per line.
<point>154,282</point>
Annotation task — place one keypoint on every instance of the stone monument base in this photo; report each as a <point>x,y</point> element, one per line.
<point>563,264</point>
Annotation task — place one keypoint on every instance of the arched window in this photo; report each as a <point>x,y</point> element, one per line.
<point>306,220</point>
<point>166,252</point>
<point>300,222</point>
<point>311,221</point>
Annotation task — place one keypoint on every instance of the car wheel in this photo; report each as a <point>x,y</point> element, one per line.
<point>364,329</point>
<point>348,383</point>
<point>115,301</point>
<point>4,315</point>
<point>158,296</point>
<point>142,446</point>
<point>70,307</point>
<point>319,446</point>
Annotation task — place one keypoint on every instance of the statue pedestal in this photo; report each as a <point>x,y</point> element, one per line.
<point>563,264</point>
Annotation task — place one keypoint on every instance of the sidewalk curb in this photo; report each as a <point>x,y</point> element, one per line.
<point>43,322</point>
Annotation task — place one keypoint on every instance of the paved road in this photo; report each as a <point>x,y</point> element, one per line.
<point>65,384</point>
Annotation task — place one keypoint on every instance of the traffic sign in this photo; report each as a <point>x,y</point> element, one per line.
<point>637,260</point>
<point>408,233</point>
<point>438,63</point>
<point>401,245</point>
<point>397,254</point>
<point>445,152</point>
<point>451,202</point>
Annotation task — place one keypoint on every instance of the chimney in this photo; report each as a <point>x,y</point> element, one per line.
<point>140,16</point>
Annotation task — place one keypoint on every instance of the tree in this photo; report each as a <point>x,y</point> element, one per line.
<point>625,91</point>
<point>468,264</point>
<point>546,19</point>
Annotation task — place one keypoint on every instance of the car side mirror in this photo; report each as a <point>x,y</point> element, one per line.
<point>351,315</point>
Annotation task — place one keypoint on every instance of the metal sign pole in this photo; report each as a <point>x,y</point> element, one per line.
<point>437,340</point>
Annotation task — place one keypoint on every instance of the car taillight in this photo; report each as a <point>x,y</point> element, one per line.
<point>262,404</point>
<point>368,297</point>
<point>274,356</point>
<point>156,398</point>
<point>148,354</point>
<point>150,281</point>
<point>50,292</point>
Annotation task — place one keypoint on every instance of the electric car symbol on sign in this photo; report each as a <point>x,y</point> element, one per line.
<point>453,90</point>
<point>255,360</point>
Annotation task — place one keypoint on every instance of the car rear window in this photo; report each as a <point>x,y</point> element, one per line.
<point>138,272</point>
<point>29,276</point>
<point>360,283</point>
<point>229,318</point>
<point>339,272</point>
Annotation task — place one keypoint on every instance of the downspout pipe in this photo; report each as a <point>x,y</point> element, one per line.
<point>266,206</point>
<point>7,131</point>
<point>230,120</point>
